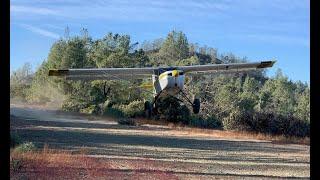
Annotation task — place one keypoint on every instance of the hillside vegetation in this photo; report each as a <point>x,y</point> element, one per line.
<point>248,101</point>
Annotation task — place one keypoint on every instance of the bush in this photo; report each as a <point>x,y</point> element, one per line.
<point>14,139</point>
<point>127,121</point>
<point>211,122</point>
<point>235,121</point>
<point>113,112</point>
<point>171,109</point>
<point>25,147</point>
<point>92,109</point>
<point>108,104</point>
<point>267,122</point>
<point>196,121</point>
<point>133,109</point>
<point>73,105</point>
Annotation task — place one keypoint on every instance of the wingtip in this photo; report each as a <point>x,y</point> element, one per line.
<point>58,72</point>
<point>266,64</point>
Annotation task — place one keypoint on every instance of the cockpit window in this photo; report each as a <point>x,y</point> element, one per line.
<point>169,74</point>
<point>180,73</point>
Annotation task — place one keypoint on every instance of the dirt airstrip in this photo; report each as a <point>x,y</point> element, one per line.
<point>115,151</point>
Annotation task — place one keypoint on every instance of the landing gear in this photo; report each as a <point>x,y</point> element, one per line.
<point>196,105</point>
<point>148,109</point>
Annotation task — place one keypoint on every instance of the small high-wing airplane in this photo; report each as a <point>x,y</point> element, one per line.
<point>166,81</point>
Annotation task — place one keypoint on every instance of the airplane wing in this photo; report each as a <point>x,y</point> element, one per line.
<point>141,73</point>
<point>232,67</point>
<point>104,73</point>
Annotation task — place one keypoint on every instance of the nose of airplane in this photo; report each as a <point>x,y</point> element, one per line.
<point>175,73</point>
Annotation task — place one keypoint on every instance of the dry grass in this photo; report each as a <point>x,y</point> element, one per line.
<point>179,128</point>
<point>60,164</point>
<point>242,135</point>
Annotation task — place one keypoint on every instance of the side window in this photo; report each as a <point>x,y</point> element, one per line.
<point>181,73</point>
<point>169,74</point>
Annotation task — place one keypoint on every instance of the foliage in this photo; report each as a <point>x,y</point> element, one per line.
<point>174,48</point>
<point>171,110</point>
<point>211,122</point>
<point>73,105</point>
<point>20,82</point>
<point>14,139</point>
<point>25,147</point>
<point>92,109</point>
<point>113,112</point>
<point>267,123</point>
<point>239,101</point>
<point>133,109</point>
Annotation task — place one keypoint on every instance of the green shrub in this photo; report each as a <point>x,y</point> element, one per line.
<point>108,104</point>
<point>15,164</point>
<point>92,109</point>
<point>233,121</point>
<point>25,147</point>
<point>14,139</point>
<point>113,112</point>
<point>198,121</point>
<point>73,105</point>
<point>170,109</point>
<point>266,122</point>
<point>127,121</point>
<point>133,109</point>
<point>213,122</point>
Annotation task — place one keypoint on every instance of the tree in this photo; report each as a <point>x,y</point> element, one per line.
<point>277,95</point>
<point>20,81</point>
<point>174,48</point>
<point>112,51</point>
<point>302,109</point>
<point>249,97</point>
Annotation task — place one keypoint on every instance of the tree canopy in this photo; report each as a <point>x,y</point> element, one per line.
<point>224,97</point>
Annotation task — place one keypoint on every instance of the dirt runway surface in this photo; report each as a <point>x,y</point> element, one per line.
<point>183,155</point>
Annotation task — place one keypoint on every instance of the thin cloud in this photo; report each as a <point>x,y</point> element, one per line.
<point>139,10</point>
<point>32,10</point>
<point>40,31</point>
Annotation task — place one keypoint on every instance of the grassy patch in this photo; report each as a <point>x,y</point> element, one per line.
<point>25,147</point>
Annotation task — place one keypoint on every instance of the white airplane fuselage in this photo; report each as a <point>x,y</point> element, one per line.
<point>169,82</point>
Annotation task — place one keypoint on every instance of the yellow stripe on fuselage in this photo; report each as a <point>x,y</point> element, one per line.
<point>163,75</point>
<point>175,73</point>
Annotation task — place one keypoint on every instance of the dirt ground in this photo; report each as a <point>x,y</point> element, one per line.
<point>152,151</point>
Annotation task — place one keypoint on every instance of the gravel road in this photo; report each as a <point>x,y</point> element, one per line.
<point>188,157</point>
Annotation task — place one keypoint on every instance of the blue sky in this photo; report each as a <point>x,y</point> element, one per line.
<point>257,29</point>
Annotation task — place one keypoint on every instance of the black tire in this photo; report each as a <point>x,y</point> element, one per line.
<point>148,109</point>
<point>196,106</point>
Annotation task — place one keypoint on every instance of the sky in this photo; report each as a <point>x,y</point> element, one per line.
<point>256,29</point>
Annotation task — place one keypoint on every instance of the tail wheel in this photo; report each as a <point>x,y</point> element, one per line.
<point>196,106</point>
<point>147,109</point>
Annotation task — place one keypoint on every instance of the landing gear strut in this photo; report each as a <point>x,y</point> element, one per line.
<point>195,104</point>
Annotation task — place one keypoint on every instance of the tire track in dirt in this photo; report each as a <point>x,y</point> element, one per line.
<point>186,156</point>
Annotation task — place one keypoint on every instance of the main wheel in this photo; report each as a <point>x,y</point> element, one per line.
<point>196,106</point>
<point>148,109</point>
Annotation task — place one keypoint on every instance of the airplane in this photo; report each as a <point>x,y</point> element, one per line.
<point>166,81</point>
